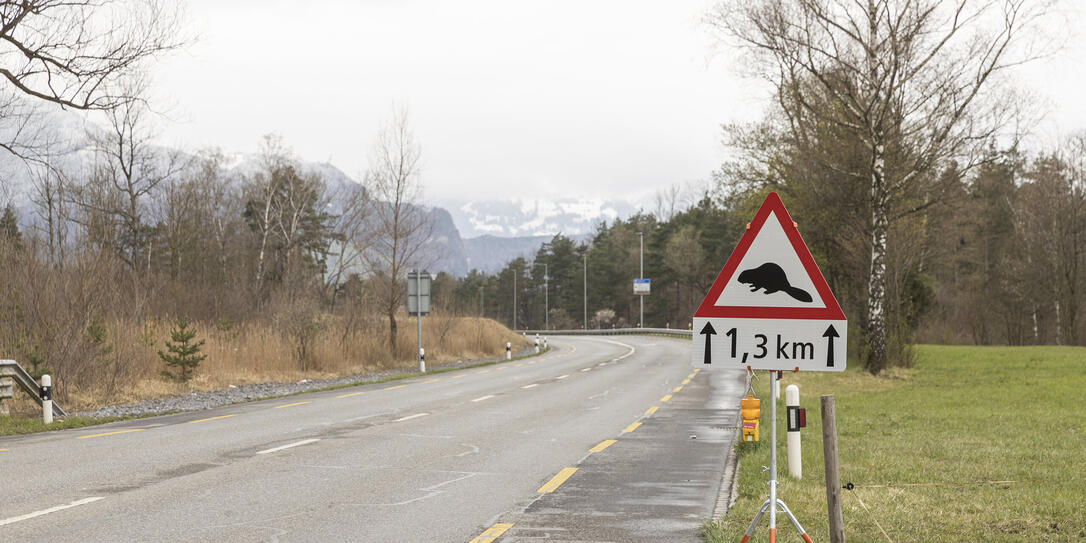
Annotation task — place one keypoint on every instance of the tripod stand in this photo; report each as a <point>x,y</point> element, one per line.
<point>773,504</point>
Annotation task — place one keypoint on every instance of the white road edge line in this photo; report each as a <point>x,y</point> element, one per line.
<point>561,377</point>
<point>531,385</point>
<point>409,417</point>
<point>28,516</point>
<point>487,397</point>
<point>288,445</point>
<point>587,369</point>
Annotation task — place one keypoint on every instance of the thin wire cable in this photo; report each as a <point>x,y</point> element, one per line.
<point>873,519</point>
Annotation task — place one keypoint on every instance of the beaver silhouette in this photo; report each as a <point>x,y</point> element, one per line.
<point>773,279</point>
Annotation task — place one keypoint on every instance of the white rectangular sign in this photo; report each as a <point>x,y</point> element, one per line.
<point>769,344</point>
<point>642,286</point>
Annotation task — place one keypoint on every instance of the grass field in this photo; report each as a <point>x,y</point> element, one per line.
<point>972,444</point>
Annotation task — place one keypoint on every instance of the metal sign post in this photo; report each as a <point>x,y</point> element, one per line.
<point>418,304</point>
<point>773,504</point>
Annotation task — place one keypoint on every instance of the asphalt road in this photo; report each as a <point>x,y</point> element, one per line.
<point>602,439</point>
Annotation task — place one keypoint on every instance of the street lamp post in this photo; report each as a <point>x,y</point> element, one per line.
<point>586,290</point>
<point>641,318</point>
<point>546,298</point>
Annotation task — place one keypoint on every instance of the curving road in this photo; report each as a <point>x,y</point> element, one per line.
<point>601,439</point>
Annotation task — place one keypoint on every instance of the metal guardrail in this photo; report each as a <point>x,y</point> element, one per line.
<point>12,370</point>
<point>677,332</point>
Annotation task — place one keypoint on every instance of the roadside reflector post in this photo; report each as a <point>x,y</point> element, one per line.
<point>537,345</point>
<point>508,350</point>
<point>46,393</point>
<point>795,457</point>
<point>422,360</point>
<point>833,478</point>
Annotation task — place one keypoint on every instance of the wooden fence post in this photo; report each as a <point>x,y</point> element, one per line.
<point>833,477</point>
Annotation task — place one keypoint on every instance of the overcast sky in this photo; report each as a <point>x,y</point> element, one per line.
<point>551,99</point>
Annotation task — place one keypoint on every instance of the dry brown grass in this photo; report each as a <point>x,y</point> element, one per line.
<point>256,352</point>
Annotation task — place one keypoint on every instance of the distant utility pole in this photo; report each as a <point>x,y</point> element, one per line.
<point>514,299</point>
<point>641,319</point>
<point>586,289</point>
<point>546,298</point>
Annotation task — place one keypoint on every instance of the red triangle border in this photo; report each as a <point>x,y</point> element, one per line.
<point>771,205</point>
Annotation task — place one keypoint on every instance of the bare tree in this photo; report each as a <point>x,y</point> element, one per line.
<point>286,207</point>
<point>911,80</point>
<point>80,54</point>
<point>401,225</point>
<point>133,169</point>
<point>352,237</point>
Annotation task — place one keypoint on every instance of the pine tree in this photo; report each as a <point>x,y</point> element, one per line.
<point>9,226</point>
<point>183,353</point>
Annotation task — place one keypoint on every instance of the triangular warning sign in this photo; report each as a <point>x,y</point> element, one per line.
<point>770,274</point>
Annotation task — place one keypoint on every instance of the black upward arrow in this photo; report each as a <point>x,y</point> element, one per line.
<point>708,332</point>
<point>830,333</point>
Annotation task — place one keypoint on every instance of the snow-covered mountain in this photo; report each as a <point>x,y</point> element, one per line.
<point>483,235</point>
<point>534,217</point>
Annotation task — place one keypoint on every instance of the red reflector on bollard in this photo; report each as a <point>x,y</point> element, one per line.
<point>803,418</point>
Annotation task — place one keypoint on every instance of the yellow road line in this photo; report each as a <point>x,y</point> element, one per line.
<point>691,376</point>
<point>518,365</point>
<point>290,405</point>
<point>492,533</point>
<point>112,433</point>
<point>652,410</point>
<point>603,445</point>
<point>676,389</point>
<point>394,387</point>
<point>503,368</point>
<point>631,427</point>
<point>532,362</point>
<point>220,417</point>
<point>428,381</point>
<point>483,371</point>
<point>348,395</point>
<point>666,398</point>
<point>697,370</point>
<point>557,480</point>
<point>686,381</point>
<point>461,376</point>
<point>3,450</point>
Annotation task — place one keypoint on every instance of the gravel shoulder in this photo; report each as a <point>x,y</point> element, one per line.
<point>197,401</point>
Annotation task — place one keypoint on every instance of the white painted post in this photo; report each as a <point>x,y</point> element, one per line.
<point>795,458</point>
<point>508,350</point>
<point>422,360</point>
<point>537,345</point>
<point>47,399</point>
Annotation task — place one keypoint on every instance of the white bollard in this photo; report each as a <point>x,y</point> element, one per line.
<point>536,345</point>
<point>795,458</point>
<point>544,342</point>
<point>422,359</point>
<point>508,350</point>
<point>46,392</point>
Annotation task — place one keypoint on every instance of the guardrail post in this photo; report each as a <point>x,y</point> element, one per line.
<point>46,393</point>
<point>508,350</point>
